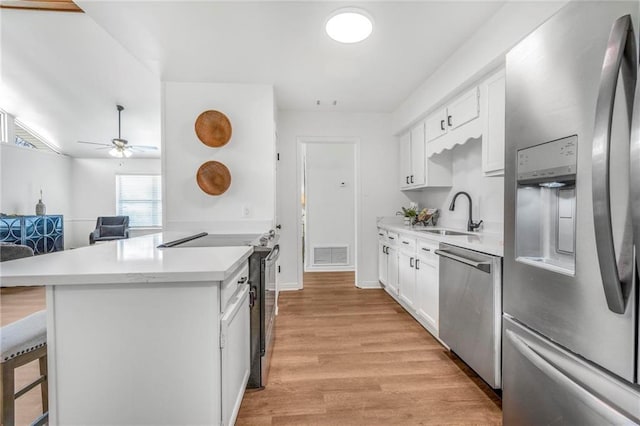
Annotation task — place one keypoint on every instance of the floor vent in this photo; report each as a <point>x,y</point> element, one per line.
<point>335,255</point>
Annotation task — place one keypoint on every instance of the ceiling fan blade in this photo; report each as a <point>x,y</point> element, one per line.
<point>144,147</point>
<point>95,143</point>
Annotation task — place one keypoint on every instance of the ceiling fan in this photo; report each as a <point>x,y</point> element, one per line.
<point>119,147</point>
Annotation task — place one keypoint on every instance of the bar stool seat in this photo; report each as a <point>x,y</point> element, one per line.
<point>21,342</point>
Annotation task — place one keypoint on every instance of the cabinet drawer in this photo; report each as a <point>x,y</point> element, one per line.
<point>426,249</point>
<point>230,285</point>
<point>407,244</point>
<point>392,238</point>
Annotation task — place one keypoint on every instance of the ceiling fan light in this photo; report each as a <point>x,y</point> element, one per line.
<point>126,153</point>
<point>115,152</point>
<point>349,25</point>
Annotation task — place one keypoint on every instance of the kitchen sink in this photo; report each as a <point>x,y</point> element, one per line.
<point>443,232</point>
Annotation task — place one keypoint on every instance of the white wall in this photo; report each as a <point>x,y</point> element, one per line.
<point>487,193</point>
<point>93,185</point>
<point>24,172</point>
<point>81,189</point>
<point>249,155</point>
<point>330,200</point>
<point>481,53</point>
<point>377,171</point>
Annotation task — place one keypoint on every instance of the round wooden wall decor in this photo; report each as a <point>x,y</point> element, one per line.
<point>213,177</point>
<point>213,128</point>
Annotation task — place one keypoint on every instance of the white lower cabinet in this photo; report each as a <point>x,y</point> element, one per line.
<point>382,261</point>
<point>388,261</point>
<point>392,271</point>
<point>235,353</point>
<point>427,285</point>
<point>409,272</point>
<point>407,279</point>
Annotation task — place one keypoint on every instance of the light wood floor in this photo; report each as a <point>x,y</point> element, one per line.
<point>16,303</point>
<point>346,356</point>
<point>343,356</point>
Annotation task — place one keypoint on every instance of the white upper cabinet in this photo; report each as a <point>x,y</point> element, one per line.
<point>418,156</point>
<point>436,124</point>
<point>416,170</point>
<point>455,123</point>
<point>464,109</point>
<point>494,125</point>
<point>405,160</point>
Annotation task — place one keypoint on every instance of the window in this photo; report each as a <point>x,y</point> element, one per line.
<point>140,198</point>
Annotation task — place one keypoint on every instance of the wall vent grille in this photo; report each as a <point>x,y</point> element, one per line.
<point>330,255</point>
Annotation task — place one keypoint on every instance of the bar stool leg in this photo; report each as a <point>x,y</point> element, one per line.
<point>8,389</point>
<point>44,386</point>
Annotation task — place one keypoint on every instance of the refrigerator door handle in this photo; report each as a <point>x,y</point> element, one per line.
<point>621,46</point>
<point>552,368</point>
<point>635,174</point>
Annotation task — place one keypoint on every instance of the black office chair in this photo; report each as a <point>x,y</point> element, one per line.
<point>109,228</point>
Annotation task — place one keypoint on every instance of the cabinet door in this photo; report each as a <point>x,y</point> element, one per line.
<point>493,132</point>
<point>418,156</point>
<point>405,160</point>
<point>392,270</point>
<point>464,109</point>
<point>382,262</point>
<point>407,279</point>
<point>235,353</point>
<point>436,125</point>
<point>427,290</point>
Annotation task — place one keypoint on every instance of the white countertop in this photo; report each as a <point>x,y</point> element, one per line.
<point>485,242</point>
<point>133,260</point>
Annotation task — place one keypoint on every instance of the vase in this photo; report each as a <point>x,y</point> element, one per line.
<point>407,221</point>
<point>41,209</point>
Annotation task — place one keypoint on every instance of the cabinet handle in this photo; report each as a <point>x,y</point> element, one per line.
<point>417,263</point>
<point>385,250</point>
<point>405,242</point>
<point>411,262</point>
<point>449,121</point>
<point>407,178</point>
<point>411,178</point>
<point>441,124</point>
<point>426,249</point>
<point>392,238</point>
<point>242,280</point>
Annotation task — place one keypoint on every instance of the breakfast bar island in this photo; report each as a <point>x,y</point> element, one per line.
<point>142,335</point>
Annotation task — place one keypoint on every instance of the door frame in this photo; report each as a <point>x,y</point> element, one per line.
<point>301,143</point>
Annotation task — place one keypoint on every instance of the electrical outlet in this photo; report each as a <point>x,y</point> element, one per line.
<point>246,211</point>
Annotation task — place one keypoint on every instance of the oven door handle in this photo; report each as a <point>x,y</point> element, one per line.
<point>275,253</point>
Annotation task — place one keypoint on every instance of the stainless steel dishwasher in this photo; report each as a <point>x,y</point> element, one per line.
<point>471,309</point>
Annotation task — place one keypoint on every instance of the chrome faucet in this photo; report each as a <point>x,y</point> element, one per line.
<point>471,225</point>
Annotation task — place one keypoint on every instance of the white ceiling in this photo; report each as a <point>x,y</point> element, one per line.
<point>64,73</point>
<point>62,76</point>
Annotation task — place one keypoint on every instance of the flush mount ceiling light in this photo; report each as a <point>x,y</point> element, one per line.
<point>349,25</point>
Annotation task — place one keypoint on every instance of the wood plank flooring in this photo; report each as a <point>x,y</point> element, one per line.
<point>343,356</point>
<point>346,356</point>
<point>16,303</point>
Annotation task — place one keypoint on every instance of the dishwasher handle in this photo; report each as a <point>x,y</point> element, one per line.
<point>483,266</point>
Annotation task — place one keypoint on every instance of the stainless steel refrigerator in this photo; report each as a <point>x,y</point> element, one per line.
<point>572,188</point>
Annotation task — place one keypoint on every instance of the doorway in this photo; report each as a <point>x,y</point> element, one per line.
<point>328,208</point>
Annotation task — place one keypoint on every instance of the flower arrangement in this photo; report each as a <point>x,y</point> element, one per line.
<point>414,216</point>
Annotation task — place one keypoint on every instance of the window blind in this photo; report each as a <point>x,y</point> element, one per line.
<point>140,198</point>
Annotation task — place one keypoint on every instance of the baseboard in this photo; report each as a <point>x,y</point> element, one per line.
<point>369,284</point>
<point>289,286</point>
